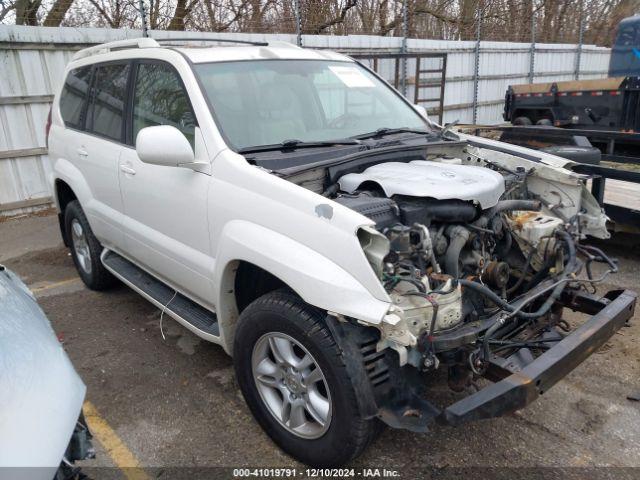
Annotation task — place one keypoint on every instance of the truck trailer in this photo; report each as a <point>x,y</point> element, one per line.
<point>606,111</point>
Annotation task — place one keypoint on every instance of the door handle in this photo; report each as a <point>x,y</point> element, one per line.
<point>127,169</point>
<point>82,152</point>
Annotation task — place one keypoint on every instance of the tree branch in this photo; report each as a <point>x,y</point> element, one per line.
<point>103,12</point>
<point>336,20</point>
<point>5,10</point>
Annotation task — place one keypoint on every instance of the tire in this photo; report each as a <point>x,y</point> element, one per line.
<point>522,121</point>
<point>545,122</point>
<point>282,316</point>
<point>85,249</point>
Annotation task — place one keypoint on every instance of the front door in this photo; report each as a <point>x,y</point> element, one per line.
<point>165,224</point>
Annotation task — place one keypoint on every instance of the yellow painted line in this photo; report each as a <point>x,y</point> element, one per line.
<point>55,285</point>
<point>124,459</point>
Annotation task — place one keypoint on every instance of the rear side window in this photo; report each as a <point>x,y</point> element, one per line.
<point>74,97</point>
<point>105,115</point>
<point>160,99</point>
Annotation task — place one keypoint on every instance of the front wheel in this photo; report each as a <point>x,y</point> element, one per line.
<point>293,378</point>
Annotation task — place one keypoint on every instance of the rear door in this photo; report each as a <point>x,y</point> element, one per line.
<point>92,105</point>
<point>165,225</point>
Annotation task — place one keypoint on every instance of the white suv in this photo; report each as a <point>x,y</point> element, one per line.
<point>292,207</point>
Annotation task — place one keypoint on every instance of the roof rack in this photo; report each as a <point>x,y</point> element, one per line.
<point>143,42</point>
<point>222,40</point>
<point>148,42</point>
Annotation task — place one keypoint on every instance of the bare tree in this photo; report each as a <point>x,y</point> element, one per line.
<point>115,13</point>
<point>502,20</point>
<point>182,11</point>
<point>57,13</point>
<point>26,12</point>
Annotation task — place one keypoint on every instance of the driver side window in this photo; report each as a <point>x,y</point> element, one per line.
<point>160,99</point>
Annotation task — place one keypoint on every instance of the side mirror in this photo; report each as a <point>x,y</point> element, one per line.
<point>421,110</point>
<point>164,145</point>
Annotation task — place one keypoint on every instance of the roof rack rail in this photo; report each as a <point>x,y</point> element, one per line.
<point>222,40</point>
<point>283,44</point>
<point>142,42</point>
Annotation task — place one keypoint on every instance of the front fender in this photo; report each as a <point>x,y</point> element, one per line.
<point>316,279</point>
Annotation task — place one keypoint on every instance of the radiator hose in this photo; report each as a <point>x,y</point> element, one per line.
<point>458,238</point>
<point>507,206</point>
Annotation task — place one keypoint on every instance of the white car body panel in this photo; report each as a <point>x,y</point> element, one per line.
<point>165,227</point>
<point>100,169</point>
<point>101,201</point>
<point>240,191</point>
<point>315,278</point>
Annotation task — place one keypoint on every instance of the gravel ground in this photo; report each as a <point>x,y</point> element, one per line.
<point>175,403</point>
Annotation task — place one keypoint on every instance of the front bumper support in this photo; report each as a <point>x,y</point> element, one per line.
<point>522,387</point>
<point>521,378</point>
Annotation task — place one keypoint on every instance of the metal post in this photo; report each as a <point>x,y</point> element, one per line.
<point>298,14</point>
<point>476,68</point>
<point>580,40</point>
<point>532,48</point>
<point>403,49</point>
<point>143,18</point>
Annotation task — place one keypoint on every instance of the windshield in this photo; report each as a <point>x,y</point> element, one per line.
<point>266,102</point>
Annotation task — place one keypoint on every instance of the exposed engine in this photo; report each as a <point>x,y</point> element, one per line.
<point>463,242</point>
<point>475,250</point>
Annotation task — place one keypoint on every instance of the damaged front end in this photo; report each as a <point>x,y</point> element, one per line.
<point>521,369</point>
<point>479,252</point>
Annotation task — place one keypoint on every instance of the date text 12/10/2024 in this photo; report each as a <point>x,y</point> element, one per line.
<point>315,473</point>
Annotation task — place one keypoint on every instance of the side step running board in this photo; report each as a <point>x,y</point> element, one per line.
<point>196,318</point>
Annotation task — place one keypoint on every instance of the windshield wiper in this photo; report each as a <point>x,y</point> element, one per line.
<point>381,132</point>
<point>295,144</point>
<point>447,128</point>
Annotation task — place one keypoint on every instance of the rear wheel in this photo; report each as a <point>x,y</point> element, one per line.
<point>522,121</point>
<point>545,122</point>
<point>293,378</point>
<point>85,249</point>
